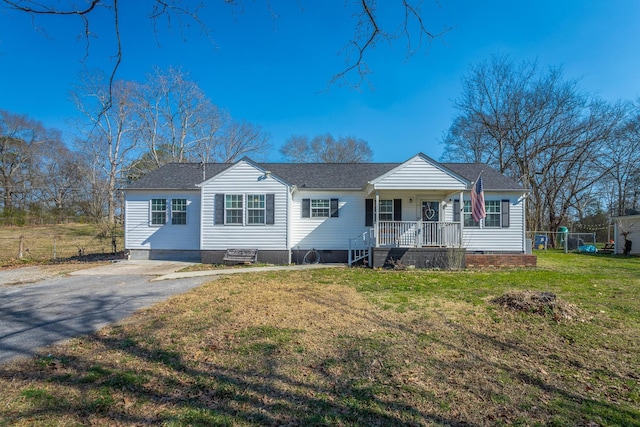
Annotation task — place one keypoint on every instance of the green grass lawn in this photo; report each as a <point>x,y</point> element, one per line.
<point>355,347</point>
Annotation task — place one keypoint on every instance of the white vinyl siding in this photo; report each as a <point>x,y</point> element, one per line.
<point>419,174</point>
<point>327,233</point>
<point>140,234</point>
<point>497,239</point>
<point>246,180</point>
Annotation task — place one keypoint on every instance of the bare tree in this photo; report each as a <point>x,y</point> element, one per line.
<point>62,180</point>
<point>537,128</point>
<point>21,139</point>
<point>178,123</point>
<point>109,134</point>
<point>326,149</point>
<point>175,118</point>
<point>238,139</point>
<point>622,156</point>
<point>407,22</point>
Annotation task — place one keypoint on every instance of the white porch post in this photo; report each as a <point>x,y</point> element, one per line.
<point>377,219</point>
<point>461,217</point>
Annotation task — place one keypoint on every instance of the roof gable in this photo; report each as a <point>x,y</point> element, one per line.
<point>421,173</point>
<point>241,163</point>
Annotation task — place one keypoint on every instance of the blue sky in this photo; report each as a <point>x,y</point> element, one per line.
<point>274,72</point>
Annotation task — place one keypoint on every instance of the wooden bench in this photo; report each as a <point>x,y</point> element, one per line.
<point>241,256</point>
<point>608,248</point>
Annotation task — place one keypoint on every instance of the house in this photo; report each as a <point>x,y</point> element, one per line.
<point>418,212</point>
<point>627,228</point>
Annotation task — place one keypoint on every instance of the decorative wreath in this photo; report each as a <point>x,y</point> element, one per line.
<point>428,212</point>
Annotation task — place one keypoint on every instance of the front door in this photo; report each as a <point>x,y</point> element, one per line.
<point>430,217</point>
<point>430,211</point>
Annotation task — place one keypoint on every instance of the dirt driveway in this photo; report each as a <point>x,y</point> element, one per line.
<point>40,306</point>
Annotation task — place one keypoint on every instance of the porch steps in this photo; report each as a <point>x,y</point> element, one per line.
<point>360,247</point>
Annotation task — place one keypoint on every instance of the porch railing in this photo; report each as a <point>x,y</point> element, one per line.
<point>419,233</point>
<point>360,247</point>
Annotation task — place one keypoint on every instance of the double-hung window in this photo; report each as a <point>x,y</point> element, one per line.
<point>468,218</point>
<point>494,213</point>
<point>244,209</point>
<point>178,211</point>
<point>256,209</point>
<point>386,210</point>
<point>233,209</point>
<point>320,208</point>
<point>497,214</point>
<point>158,211</point>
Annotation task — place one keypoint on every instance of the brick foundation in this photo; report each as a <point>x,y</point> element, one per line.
<point>500,260</point>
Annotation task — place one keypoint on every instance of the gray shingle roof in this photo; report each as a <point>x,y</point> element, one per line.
<point>186,176</point>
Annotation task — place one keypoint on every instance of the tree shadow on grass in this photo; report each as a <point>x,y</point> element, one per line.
<point>169,390</point>
<point>404,370</point>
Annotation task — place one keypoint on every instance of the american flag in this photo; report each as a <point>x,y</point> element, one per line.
<point>477,200</point>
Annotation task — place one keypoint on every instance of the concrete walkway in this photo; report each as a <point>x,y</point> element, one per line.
<point>223,271</point>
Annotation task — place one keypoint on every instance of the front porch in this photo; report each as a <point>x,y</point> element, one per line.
<point>416,234</point>
<point>432,242</point>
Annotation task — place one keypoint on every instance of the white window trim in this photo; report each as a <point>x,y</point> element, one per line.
<point>263,209</point>
<point>317,209</point>
<point>242,209</point>
<point>385,213</point>
<point>499,213</point>
<point>186,203</point>
<point>152,211</point>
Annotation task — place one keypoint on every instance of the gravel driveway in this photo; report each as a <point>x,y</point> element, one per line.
<point>57,308</point>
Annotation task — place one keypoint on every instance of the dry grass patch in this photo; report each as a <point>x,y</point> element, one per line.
<point>57,242</point>
<point>332,347</point>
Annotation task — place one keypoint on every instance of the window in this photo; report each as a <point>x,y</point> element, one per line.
<point>158,211</point>
<point>386,210</point>
<point>493,213</point>
<point>497,214</point>
<point>178,211</point>
<point>256,209</point>
<point>233,209</point>
<point>468,218</point>
<point>320,208</point>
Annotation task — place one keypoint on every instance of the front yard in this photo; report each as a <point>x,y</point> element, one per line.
<point>355,347</point>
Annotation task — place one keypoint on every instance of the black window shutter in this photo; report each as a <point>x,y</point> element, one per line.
<point>270,211</point>
<point>306,208</point>
<point>218,207</point>
<point>505,213</point>
<point>368,212</point>
<point>334,208</point>
<point>397,209</point>
<point>456,210</point>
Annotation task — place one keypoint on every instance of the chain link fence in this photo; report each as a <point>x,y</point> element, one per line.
<point>567,241</point>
